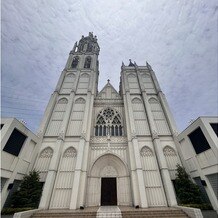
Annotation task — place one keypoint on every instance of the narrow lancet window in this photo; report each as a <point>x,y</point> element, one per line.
<point>104,131</point>
<point>75,62</point>
<point>88,61</point>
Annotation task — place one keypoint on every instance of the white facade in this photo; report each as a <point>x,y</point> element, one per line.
<point>15,164</point>
<point>88,137</point>
<point>201,164</point>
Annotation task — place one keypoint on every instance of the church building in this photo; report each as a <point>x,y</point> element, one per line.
<point>106,147</point>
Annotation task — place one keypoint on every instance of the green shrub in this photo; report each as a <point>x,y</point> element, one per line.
<point>29,192</point>
<point>186,190</point>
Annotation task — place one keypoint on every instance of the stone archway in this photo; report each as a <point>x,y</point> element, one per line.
<point>108,166</point>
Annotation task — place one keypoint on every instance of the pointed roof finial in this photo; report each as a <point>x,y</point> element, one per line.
<point>91,34</point>
<point>74,47</point>
<point>130,63</point>
<point>148,66</point>
<point>108,80</point>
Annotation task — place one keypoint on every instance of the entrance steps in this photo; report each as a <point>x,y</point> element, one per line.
<point>131,212</point>
<point>108,211</point>
<point>89,212</point>
<point>113,212</point>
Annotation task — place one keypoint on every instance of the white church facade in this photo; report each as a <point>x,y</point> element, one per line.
<point>107,147</point>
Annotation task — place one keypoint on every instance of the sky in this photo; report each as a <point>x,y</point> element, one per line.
<point>177,38</point>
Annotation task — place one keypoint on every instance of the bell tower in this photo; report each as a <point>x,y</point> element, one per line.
<point>84,56</point>
<point>65,129</point>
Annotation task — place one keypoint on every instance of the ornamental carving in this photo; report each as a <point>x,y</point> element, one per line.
<point>63,101</point>
<point>83,135</point>
<point>73,90</point>
<point>146,152</point>
<point>80,101</point>
<point>103,139</point>
<point>133,135</point>
<point>168,151</point>
<point>106,147</point>
<point>136,101</point>
<point>153,100</point>
<point>61,136</point>
<point>85,75</point>
<point>154,134</point>
<point>70,75</point>
<point>108,171</point>
<point>70,152</point>
<point>109,102</point>
<point>46,153</point>
<point>99,147</point>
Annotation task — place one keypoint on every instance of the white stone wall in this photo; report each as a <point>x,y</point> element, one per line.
<point>205,163</point>
<point>15,167</point>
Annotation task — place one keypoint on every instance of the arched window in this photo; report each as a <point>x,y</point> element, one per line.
<point>108,123</point>
<point>88,61</point>
<point>43,162</point>
<point>75,62</point>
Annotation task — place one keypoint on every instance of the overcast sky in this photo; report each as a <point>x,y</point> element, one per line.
<point>177,38</point>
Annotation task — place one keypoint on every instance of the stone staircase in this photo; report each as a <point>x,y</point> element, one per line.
<point>109,211</point>
<point>113,212</point>
<point>130,212</point>
<point>86,213</point>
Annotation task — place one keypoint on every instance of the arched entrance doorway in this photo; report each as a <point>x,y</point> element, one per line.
<point>108,182</point>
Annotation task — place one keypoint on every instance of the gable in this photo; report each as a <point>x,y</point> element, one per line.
<point>108,92</point>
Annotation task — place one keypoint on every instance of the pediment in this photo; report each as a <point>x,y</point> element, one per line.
<point>108,92</point>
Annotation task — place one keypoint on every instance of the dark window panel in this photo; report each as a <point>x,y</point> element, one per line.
<point>15,142</point>
<point>104,131</point>
<point>2,126</point>
<point>198,181</point>
<point>215,128</point>
<point>15,186</point>
<point>96,130</point>
<point>199,141</point>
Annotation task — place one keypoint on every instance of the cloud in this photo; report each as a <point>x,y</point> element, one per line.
<point>178,38</point>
